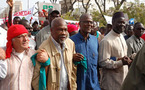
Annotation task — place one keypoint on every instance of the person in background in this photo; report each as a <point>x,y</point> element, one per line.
<point>129,31</point>
<point>4,26</point>
<point>45,23</point>
<point>72,29</point>
<point>135,77</point>
<point>113,55</point>
<point>25,23</point>
<point>35,28</point>
<point>44,33</point>
<point>143,36</point>
<point>108,28</point>
<point>16,19</point>
<point>102,31</point>
<point>96,32</point>
<point>135,42</point>
<point>86,46</point>
<point>19,65</point>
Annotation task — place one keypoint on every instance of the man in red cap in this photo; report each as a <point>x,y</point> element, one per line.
<point>19,64</point>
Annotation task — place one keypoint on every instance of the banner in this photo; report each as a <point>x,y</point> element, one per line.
<point>27,14</point>
<point>47,6</point>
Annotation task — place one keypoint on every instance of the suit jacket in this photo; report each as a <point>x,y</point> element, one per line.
<point>135,79</point>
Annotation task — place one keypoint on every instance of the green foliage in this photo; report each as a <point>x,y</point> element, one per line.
<point>70,16</point>
<point>136,11</point>
<point>97,17</point>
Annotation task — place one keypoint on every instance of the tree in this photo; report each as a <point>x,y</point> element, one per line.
<point>72,3</point>
<point>86,5</point>
<point>53,1</point>
<point>68,5</point>
<point>118,4</point>
<point>103,3</point>
<point>136,11</point>
<point>102,6</point>
<point>69,16</point>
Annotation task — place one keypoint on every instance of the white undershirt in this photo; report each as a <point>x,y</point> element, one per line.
<point>3,69</point>
<point>63,72</point>
<point>20,55</point>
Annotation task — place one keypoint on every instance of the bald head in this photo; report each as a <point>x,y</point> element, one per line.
<point>86,15</point>
<point>86,24</point>
<point>58,22</point>
<point>59,30</point>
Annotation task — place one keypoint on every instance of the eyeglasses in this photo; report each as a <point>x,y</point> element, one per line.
<point>87,22</point>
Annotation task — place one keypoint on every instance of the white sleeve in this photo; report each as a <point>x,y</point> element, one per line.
<point>105,54</point>
<point>3,69</point>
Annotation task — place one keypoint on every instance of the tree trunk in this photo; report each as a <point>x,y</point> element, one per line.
<point>100,9</point>
<point>86,7</point>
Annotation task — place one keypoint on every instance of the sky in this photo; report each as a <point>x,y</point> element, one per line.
<point>3,3</point>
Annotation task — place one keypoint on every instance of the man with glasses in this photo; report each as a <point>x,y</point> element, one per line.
<point>129,31</point>
<point>135,42</point>
<point>25,23</point>
<point>19,65</point>
<point>86,46</point>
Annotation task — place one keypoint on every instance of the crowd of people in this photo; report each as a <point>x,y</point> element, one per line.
<point>62,56</point>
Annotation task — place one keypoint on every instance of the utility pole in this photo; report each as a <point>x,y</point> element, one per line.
<point>28,4</point>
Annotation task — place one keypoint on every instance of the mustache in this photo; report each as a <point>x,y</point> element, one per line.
<point>63,36</point>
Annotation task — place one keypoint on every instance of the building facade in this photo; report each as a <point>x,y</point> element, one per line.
<point>17,7</point>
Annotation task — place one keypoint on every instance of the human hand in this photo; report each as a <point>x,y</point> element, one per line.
<point>77,57</point>
<point>2,54</point>
<point>126,60</point>
<point>10,3</point>
<point>42,56</point>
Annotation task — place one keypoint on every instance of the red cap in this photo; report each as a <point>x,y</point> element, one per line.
<point>13,31</point>
<point>72,27</point>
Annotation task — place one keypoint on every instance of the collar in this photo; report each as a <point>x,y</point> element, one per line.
<point>114,33</point>
<point>136,39</point>
<point>81,37</point>
<point>15,53</point>
<point>57,44</point>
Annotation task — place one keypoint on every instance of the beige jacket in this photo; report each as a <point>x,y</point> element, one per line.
<point>53,77</point>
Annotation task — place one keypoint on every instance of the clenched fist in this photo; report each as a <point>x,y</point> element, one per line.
<point>77,57</point>
<point>2,54</point>
<point>42,56</point>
